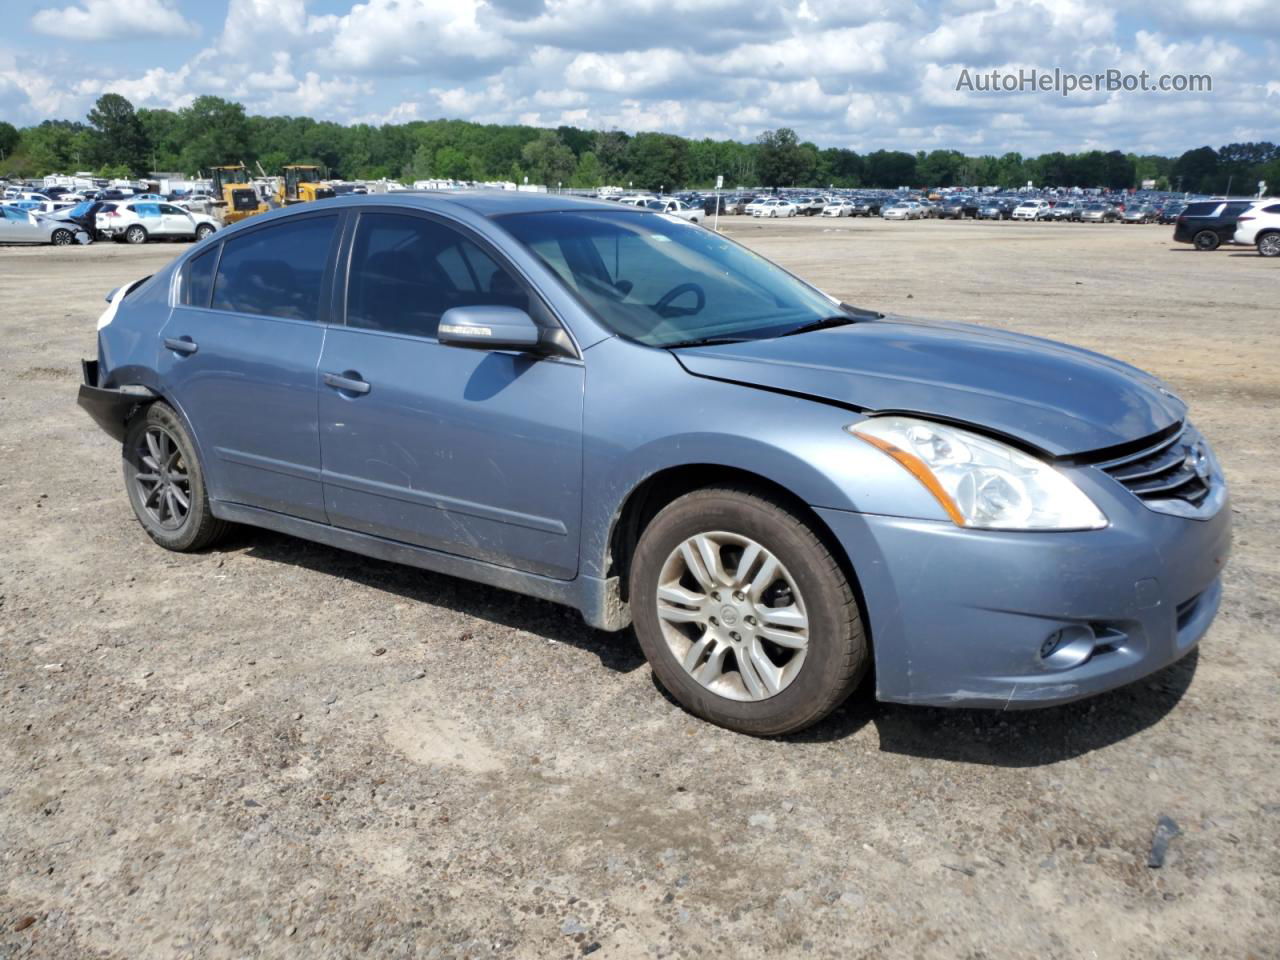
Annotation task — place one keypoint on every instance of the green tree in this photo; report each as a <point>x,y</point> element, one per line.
<point>781,160</point>
<point>214,132</point>
<point>548,160</point>
<point>890,168</point>
<point>453,164</point>
<point>941,168</point>
<point>1196,171</point>
<point>658,161</point>
<point>9,139</point>
<point>119,137</point>
<point>590,172</point>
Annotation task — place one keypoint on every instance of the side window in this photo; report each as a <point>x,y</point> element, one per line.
<point>146,209</point>
<point>170,208</point>
<point>276,271</point>
<point>406,271</point>
<point>197,281</point>
<point>1274,208</point>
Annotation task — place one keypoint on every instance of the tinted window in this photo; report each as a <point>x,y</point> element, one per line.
<point>197,281</point>
<point>276,271</point>
<point>406,271</point>
<point>146,209</point>
<point>1274,208</point>
<point>1201,209</point>
<point>170,208</point>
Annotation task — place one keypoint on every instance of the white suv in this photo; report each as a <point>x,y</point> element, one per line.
<point>1260,225</point>
<point>137,221</point>
<point>1032,210</point>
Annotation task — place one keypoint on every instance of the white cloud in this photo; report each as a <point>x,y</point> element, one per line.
<point>113,20</point>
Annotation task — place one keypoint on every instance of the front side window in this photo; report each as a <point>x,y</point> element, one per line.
<point>406,271</point>
<point>276,271</point>
<point>661,280</point>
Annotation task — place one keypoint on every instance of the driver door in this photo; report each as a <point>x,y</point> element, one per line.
<point>472,452</point>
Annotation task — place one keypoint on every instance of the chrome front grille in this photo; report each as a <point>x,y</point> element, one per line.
<point>1175,466</point>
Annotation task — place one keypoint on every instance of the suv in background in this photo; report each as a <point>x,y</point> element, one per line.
<point>1207,224</point>
<point>1260,225</point>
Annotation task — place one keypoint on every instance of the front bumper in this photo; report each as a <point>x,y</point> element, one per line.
<point>963,617</point>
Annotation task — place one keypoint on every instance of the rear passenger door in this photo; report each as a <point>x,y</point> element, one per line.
<point>239,357</point>
<point>472,452</point>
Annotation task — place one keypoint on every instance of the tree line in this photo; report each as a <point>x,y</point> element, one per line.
<point>118,141</point>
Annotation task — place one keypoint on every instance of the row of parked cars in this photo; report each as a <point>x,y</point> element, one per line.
<point>61,217</point>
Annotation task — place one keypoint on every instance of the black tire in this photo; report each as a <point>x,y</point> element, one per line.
<point>62,237</point>
<point>1206,240</point>
<point>1269,244</point>
<point>135,234</point>
<point>199,528</point>
<point>838,654</point>
<point>203,231</point>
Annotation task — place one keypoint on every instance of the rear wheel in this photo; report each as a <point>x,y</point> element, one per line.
<point>165,484</point>
<point>1269,245</point>
<point>1207,240</point>
<point>744,614</point>
<point>135,234</point>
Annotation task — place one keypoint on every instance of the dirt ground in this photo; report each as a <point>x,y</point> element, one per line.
<point>275,749</point>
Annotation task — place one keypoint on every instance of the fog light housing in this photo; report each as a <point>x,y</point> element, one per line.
<point>1068,647</point>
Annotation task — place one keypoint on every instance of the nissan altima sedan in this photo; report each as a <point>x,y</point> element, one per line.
<point>623,412</point>
<point>23,226</point>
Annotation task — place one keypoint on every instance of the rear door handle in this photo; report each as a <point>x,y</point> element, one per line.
<point>183,345</point>
<point>346,384</point>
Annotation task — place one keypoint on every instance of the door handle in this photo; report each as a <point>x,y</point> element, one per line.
<point>183,345</point>
<point>347,384</point>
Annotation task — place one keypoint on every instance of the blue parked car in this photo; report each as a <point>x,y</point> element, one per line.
<point>630,414</point>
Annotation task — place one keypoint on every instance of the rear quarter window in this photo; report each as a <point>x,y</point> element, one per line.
<point>1200,209</point>
<point>197,279</point>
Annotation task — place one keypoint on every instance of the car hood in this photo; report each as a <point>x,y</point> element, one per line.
<point>1059,399</point>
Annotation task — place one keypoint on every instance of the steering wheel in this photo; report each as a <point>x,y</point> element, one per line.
<point>663,306</point>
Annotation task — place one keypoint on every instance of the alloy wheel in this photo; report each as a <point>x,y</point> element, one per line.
<point>1269,246</point>
<point>732,615</point>
<point>163,483</point>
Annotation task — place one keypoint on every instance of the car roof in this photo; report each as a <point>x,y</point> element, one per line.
<point>486,203</point>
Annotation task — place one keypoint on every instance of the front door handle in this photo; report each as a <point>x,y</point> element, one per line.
<point>183,345</point>
<point>347,384</point>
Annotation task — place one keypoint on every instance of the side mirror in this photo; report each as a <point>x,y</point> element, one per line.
<point>488,328</point>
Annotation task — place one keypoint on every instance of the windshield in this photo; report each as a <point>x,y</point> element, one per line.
<point>663,281</point>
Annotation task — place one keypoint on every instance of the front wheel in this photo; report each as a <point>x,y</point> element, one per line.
<point>203,231</point>
<point>1269,245</point>
<point>746,617</point>
<point>165,484</point>
<point>1207,240</point>
<point>62,237</point>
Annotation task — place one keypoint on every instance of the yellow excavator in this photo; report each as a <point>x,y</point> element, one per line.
<point>301,184</point>
<point>235,194</point>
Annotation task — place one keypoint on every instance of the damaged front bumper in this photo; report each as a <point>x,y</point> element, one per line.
<point>110,407</point>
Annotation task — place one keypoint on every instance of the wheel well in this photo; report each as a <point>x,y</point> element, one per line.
<point>660,489</point>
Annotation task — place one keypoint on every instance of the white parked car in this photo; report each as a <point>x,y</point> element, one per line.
<point>1260,225</point>
<point>839,208</point>
<point>1032,210</point>
<point>23,226</point>
<point>774,208</point>
<point>903,210</point>
<point>137,221</point>
<point>678,208</point>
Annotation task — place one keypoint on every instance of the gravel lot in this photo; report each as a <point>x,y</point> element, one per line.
<point>275,749</point>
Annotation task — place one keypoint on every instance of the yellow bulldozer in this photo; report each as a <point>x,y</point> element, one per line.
<point>301,184</point>
<point>233,192</point>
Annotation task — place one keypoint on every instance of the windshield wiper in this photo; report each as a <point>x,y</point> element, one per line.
<point>823,323</point>
<point>704,342</point>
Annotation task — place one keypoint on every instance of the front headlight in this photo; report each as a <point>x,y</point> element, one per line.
<point>981,482</point>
